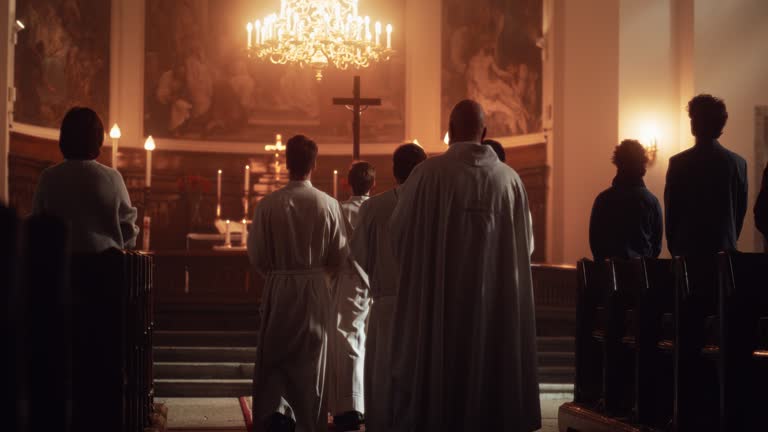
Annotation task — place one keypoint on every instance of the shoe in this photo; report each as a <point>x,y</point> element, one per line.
<point>349,421</point>
<point>277,422</point>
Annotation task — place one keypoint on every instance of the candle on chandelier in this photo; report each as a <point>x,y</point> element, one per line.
<point>247,183</point>
<point>249,28</point>
<point>389,36</point>
<point>282,8</point>
<point>257,26</point>
<point>378,33</point>
<point>218,195</point>
<point>335,184</point>
<point>149,146</point>
<point>367,26</point>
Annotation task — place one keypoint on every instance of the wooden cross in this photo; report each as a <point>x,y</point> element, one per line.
<point>357,105</point>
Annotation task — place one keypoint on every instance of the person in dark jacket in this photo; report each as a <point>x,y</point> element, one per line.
<point>761,207</point>
<point>706,191</point>
<point>626,218</point>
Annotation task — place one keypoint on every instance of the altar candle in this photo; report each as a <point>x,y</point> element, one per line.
<point>335,184</point>
<point>247,183</point>
<point>115,134</point>
<point>378,33</point>
<point>244,236</point>
<point>249,28</point>
<point>218,195</point>
<point>389,36</point>
<point>149,146</point>
<point>227,236</point>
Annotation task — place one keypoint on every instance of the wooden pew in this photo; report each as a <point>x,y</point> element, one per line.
<point>743,309</point>
<point>46,324</point>
<point>696,346</point>
<point>594,288</point>
<point>112,343</point>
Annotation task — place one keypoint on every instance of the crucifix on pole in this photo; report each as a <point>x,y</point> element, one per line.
<point>357,105</point>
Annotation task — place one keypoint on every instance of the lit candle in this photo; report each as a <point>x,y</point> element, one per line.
<point>249,28</point>
<point>389,36</point>
<point>115,134</point>
<point>149,146</point>
<point>246,185</point>
<point>244,236</point>
<point>218,195</point>
<point>367,25</point>
<point>227,236</point>
<point>258,32</point>
<point>335,184</point>
<point>378,33</point>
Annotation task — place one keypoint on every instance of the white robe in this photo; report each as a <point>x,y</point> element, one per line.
<point>464,347</point>
<point>352,301</point>
<point>298,239</point>
<point>372,250</point>
<point>93,200</point>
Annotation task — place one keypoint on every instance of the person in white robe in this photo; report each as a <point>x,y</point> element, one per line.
<point>352,301</point>
<point>298,242</point>
<point>464,344</point>
<point>372,250</point>
<point>89,197</point>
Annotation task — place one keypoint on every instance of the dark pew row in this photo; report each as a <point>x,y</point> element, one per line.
<point>671,345</point>
<point>80,330</point>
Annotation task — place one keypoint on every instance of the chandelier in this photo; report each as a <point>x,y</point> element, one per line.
<point>319,34</point>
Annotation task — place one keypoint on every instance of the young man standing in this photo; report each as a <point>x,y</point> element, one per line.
<point>352,301</point>
<point>298,240</point>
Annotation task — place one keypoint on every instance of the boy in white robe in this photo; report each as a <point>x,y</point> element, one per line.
<point>372,250</point>
<point>464,347</point>
<point>298,242</point>
<point>352,301</point>
<point>89,197</point>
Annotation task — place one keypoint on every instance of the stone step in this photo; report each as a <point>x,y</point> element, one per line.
<point>556,359</point>
<point>556,344</point>
<point>203,387</point>
<point>188,338</point>
<point>204,354</point>
<point>202,370</point>
<point>557,374</point>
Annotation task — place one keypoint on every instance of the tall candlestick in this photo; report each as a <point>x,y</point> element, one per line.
<point>335,184</point>
<point>145,237</point>
<point>149,146</point>
<point>389,36</point>
<point>244,236</point>
<point>115,134</point>
<point>247,182</point>
<point>378,33</point>
<point>227,236</point>
<point>218,195</point>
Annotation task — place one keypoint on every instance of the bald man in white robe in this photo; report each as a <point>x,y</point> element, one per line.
<point>372,250</point>
<point>298,242</point>
<point>464,346</point>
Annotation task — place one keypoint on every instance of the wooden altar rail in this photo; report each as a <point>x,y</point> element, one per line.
<point>671,345</point>
<point>82,351</point>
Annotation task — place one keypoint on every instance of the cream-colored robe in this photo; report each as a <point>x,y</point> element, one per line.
<point>372,250</point>
<point>464,347</point>
<point>352,301</point>
<point>298,241</point>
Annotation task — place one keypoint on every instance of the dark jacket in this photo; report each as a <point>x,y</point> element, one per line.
<point>761,207</point>
<point>626,221</point>
<point>706,199</point>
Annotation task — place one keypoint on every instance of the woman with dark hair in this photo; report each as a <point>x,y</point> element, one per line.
<point>90,197</point>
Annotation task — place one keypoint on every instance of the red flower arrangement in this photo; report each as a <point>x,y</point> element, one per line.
<point>194,184</point>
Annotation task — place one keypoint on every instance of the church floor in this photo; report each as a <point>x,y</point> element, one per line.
<point>224,414</point>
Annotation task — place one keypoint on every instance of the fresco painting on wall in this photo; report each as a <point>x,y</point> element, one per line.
<point>62,59</point>
<point>200,85</point>
<point>490,54</point>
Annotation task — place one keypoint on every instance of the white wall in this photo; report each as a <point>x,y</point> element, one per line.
<point>731,62</point>
<point>585,59</point>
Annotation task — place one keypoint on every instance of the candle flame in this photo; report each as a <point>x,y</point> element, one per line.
<point>114,133</point>
<point>447,138</point>
<point>149,144</point>
<point>219,171</point>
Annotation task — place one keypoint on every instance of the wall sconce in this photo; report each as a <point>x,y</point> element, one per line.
<point>651,148</point>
